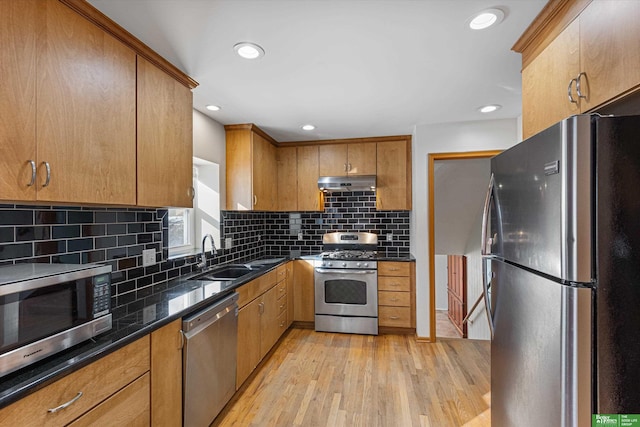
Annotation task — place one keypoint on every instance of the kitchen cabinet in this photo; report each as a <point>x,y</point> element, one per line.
<point>165,139</point>
<point>348,159</point>
<point>287,170</point>
<point>303,292</point>
<point>261,321</point>
<point>166,375</point>
<point>289,284</point>
<point>310,198</point>
<point>251,169</point>
<point>77,94</point>
<point>595,50</point>
<point>105,389</point>
<point>393,191</point>
<point>17,99</point>
<point>396,294</point>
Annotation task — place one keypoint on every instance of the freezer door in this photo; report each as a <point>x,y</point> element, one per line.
<point>540,209</point>
<point>541,350</point>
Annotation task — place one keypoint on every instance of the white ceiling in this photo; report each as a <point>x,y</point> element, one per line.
<point>459,191</point>
<point>351,67</point>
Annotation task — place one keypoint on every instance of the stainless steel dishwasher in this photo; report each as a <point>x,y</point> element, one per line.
<point>209,361</point>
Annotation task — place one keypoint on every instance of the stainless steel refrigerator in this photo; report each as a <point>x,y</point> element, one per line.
<point>561,246</point>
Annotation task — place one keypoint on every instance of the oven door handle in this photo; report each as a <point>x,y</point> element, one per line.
<point>341,271</point>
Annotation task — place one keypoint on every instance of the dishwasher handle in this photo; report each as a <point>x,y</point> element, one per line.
<point>193,324</point>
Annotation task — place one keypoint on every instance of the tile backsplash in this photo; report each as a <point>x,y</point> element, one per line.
<point>117,236</point>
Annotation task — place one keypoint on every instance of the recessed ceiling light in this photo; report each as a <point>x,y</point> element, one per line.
<point>486,18</point>
<point>249,50</point>
<point>489,108</point>
<point>308,127</point>
<point>213,108</point>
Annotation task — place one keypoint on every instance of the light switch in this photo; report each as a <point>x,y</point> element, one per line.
<point>148,257</point>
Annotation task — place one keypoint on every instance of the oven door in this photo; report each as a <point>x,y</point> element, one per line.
<point>346,292</point>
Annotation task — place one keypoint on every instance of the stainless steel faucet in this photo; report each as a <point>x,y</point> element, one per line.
<point>203,258</point>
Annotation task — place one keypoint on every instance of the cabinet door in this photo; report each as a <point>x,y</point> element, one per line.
<point>248,340</point>
<point>86,112</point>
<point>546,79</point>
<point>609,50</point>
<point>166,375</point>
<point>17,98</point>
<point>393,190</point>
<point>128,407</point>
<point>309,196</point>
<point>303,291</point>
<point>269,328</point>
<point>165,139</point>
<point>333,160</point>
<point>265,177</point>
<point>287,161</point>
<point>361,159</point>
<point>239,170</point>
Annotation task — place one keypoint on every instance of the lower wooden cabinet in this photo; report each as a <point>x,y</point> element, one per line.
<point>166,375</point>
<point>396,294</point>
<point>303,291</point>
<point>248,340</point>
<point>90,388</point>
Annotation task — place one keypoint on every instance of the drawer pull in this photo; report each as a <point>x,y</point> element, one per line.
<point>282,306</point>
<point>66,405</point>
<point>395,299</point>
<point>394,269</point>
<point>394,284</point>
<point>281,324</point>
<point>393,317</point>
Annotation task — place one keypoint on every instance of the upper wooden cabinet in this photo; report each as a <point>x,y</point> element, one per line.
<point>72,85</point>
<point>251,169</point>
<point>287,170</point>
<point>309,196</point>
<point>165,139</point>
<point>348,159</point>
<point>393,191</point>
<point>17,99</point>
<point>577,56</point>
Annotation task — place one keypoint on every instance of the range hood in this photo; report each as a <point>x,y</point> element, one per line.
<point>347,183</point>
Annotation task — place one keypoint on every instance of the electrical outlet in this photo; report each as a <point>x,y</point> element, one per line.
<point>148,257</point>
<point>300,236</point>
<point>228,243</point>
<point>390,237</point>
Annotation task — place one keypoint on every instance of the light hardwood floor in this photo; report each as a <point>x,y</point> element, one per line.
<point>323,379</point>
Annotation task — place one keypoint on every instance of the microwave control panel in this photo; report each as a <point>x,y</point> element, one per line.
<point>101,295</point>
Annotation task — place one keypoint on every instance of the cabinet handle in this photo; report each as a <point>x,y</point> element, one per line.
<point>181,339</point>
<point>578,81</point>
<point>393,317</point>
<point>261,308</point>
<point>255,200</point>
<point>281,305</point>
<point>349,169</point>
<point>345,168</point>
<point>48,179</point>
<point>33,173</point>
<point>571,100</point>
<point>282,324</point>
<point>191,192</point>
<point>394,299</point>
<point>65,405</point>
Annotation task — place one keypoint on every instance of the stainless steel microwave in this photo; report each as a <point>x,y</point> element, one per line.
<point>47,308</point>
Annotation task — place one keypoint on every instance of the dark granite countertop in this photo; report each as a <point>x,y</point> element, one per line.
<point>182,297</point>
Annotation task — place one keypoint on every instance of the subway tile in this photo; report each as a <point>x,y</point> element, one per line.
<point>126,217</point>
<point>24,234</point>
<point>75,245</point>
<point>125,263</point>
<point>16,217</point>
<point>19,250</point>
<point>105,242</point>
<point>94,230</point>
<point>50,247</point>
<point>80,217</point>
<point>65,231</point>
<point>7,234</point>
<point>105,217</point>
<point>113,229</point>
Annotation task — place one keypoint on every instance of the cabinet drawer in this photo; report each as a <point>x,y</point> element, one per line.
<point>96,381</point>
<point>248,292</point>
<point>394,284</point>
<point>399,317</point>
<point>281,289</point>
<point>395,299</point>
<point>282,304</point>
<point>281,273</point>
<point>388,268</point>
<point>282,322</point>
<point>128,407</point>
<point>267,281</point>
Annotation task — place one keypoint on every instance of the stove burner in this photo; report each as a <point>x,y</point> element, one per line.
<point>349,254</point>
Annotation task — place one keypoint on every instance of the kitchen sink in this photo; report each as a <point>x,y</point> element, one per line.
<point>227,272</point>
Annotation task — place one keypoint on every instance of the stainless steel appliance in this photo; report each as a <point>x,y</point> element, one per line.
<point>209,361</point>
<point>47,308</point>
<point>561,238</point>
<point>346,284</point>
<point>347,183</point>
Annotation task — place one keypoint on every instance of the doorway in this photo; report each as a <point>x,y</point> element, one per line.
<point>454,206</point>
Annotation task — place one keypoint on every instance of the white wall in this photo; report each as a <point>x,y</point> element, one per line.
<point>209,143</point>
<point>442,302</point>
<point>441,138</point>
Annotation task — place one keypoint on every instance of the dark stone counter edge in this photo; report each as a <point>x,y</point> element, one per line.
<point>55,367</point>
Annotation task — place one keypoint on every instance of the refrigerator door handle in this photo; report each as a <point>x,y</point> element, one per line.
<point>485,293</point>
<point>485,217</point>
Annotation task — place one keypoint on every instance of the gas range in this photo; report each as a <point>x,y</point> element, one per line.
<point>349,250</point>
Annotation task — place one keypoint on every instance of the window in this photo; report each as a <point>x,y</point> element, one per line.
<point>188,226</point>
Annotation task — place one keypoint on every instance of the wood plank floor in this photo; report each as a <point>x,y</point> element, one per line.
<point>324,379</point>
